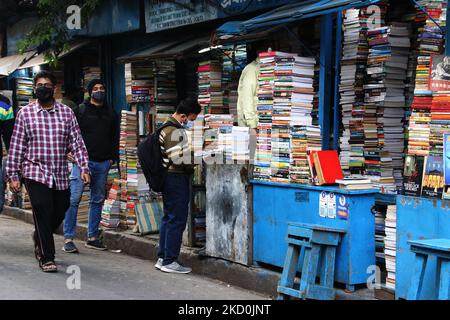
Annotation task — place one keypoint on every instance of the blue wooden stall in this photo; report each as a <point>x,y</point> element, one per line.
<point>419,219</point>
<point>276,204</point>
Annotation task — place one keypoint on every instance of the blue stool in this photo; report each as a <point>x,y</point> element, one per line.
<point>440,248</point>
<point>315,243</point>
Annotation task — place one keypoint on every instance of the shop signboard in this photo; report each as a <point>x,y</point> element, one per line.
<point>168,15</point>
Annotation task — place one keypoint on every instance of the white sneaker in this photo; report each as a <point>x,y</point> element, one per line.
<point>175,267</point>
<point>158,264</point>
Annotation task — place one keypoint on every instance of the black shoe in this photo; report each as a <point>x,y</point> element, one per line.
<point>95,244</point>
<point>70,247</point>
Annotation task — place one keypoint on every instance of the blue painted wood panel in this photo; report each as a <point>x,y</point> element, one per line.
<point>419,219</point>
<point>274,206</point>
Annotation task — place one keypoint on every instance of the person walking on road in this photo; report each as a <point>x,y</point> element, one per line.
<point>99,126</point>
<point>44,132</point>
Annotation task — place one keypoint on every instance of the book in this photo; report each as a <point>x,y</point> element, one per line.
<point>446,159</point>
<point>327,166</point>
<point>433,177</point>
<point>413,174</point>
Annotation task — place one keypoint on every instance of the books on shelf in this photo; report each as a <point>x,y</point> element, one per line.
<point>24,91</point>
<point>433,177</point>
<point>412,175</point>
<point>390,242</point>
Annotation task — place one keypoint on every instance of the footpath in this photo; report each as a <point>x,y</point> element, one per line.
<point>252,278</point>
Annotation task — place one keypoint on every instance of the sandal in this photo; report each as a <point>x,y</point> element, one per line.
<point>48,266</point>
<point>37,252</point>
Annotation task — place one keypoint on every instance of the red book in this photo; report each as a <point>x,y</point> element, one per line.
<point>327,166</point>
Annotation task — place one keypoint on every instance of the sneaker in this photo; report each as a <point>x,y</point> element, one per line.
<point>95,244</point>
<point>158,264</point>
<point>175,267</point>
<point>70,247</point>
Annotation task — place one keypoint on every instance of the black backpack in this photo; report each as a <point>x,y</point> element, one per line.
<point>149,154</point>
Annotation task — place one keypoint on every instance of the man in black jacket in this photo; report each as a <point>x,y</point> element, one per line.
<point>99,126</point>
<point>6,130</point>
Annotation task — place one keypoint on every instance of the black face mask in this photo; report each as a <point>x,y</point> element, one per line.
<point>44,94</point>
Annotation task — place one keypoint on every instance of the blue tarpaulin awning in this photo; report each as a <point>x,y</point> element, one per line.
<point>287,14</point>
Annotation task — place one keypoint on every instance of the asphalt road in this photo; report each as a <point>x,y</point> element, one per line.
<point>103,275</point>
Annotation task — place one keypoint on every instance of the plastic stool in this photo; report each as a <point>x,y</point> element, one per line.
<point>423,249</point>
<point>315,242</point>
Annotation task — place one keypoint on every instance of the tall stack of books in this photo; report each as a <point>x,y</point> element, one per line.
<point>210,87</point>
<point>166,90</point>
<point>111,207</point>
<point>132,184</point>
<point>390,245</point>
<point>380,235</point>
<point>431,42</point>
<point>440,107</point>
<point>24,91</point>
<point>353,69</point>
<point>395,101</point>
<point>383,91</point>
<point>285,80</point>
<point>128,162</point>
<point>128,82</point>
<point>264,108</point>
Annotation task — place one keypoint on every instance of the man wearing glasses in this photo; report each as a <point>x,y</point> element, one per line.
<point>43,134</point>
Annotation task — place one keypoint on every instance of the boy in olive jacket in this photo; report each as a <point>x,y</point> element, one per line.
<point>174,146</point>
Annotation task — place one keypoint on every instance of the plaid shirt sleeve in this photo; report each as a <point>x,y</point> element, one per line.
<point>77,146</point>
<point>17,148</point>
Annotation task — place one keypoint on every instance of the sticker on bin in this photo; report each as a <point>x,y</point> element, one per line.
<point>323,204</point>
<point>342,209</point>
<point>331,212</point>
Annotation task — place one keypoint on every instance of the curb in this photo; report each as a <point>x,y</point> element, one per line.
<point>259,280</point>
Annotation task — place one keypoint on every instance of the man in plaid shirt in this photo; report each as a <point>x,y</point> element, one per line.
<point>44,133</point>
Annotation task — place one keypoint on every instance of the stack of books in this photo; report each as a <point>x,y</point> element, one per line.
<point>390,242</point>
<point>353,69</point>
<point>240,144</point>
<point>218,128</point>
<point>166,90</point>
<point>24,91</point>
<point>382,90</point>
<point>199,214</point>
<point>431,42</point>
<point>111,207</point>
<point>264,108</point>
<point>83,208</point>
<point>304,136</point>
<point>210,87</point>
<point>142,84</point>
<point>355,183</point>
<point>380,235</point>
<point>285,83</point>
<point>132,184</point>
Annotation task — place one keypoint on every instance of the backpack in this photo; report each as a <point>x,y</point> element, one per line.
<point>149,155</point>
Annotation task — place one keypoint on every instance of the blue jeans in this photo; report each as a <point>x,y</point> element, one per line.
<point>176,195</point>
<point>99,175</point>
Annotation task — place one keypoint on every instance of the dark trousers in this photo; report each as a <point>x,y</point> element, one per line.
<point>176,209</point>
<point>49,207</point>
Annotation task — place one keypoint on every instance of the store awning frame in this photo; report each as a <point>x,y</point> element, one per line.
<point>9,64</point>
<point>170,49</point>
<point>260,26</point>
<point>39,59</point>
